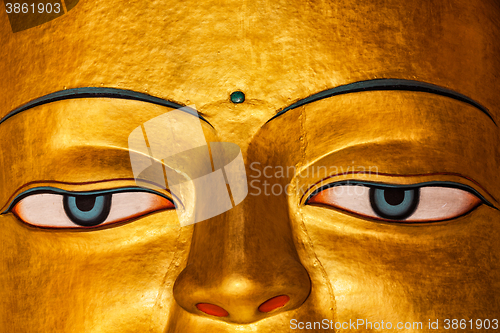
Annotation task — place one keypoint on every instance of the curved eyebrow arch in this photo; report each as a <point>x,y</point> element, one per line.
<point>385,84</point>
<point>97,92</point>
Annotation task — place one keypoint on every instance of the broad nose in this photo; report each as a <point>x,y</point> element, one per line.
<point>243,266</point>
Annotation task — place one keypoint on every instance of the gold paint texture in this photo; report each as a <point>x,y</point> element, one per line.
<point>147,276</point>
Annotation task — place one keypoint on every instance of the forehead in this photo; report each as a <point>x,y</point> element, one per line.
<point>277,52</point>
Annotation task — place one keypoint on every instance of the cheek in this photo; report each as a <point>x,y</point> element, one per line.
<point>109,279</point>
<point>404,273</point>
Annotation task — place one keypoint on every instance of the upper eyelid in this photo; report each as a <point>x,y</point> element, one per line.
<point>55,190</point>
<point>407,186</point>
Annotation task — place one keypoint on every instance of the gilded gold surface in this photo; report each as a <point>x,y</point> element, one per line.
<point>147,276</point>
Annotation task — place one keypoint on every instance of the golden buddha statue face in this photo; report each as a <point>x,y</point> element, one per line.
<point>369,134</point>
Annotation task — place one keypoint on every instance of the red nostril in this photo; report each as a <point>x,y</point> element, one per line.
<point>274,303</point>
<point>212,309</point>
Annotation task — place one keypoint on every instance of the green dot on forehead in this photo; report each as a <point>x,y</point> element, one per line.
<point>237,97</point>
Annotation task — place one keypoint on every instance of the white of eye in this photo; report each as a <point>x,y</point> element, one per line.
<point>436,203</point>
<point>47,209</point>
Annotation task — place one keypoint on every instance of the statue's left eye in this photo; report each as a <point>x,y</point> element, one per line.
<point>398,203</point>
<point>394,203</point>
<point>87,210</point>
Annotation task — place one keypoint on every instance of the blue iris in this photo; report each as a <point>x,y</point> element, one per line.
<point>394,203</point>
<point>87,210</point>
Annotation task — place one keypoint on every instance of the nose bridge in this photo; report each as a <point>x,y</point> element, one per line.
<point>220,242</point>
<point>244,262</point>
<point>243,239</point>
<point>249,236</point>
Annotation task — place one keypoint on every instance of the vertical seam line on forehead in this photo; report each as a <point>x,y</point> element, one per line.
<point>386,85</point>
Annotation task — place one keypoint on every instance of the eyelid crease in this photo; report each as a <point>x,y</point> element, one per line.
<point>406,186</point>
<point>55,190</point>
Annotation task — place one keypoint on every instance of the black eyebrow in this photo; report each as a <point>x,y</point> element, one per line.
<point>97,92</point>
<point>385,84</point>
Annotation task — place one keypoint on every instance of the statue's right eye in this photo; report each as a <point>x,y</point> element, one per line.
<point>87,210</point>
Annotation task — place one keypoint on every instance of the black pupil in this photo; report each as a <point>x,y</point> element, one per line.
<point>394,196</point>
<point>87,210</point>
<point>85,202</point>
